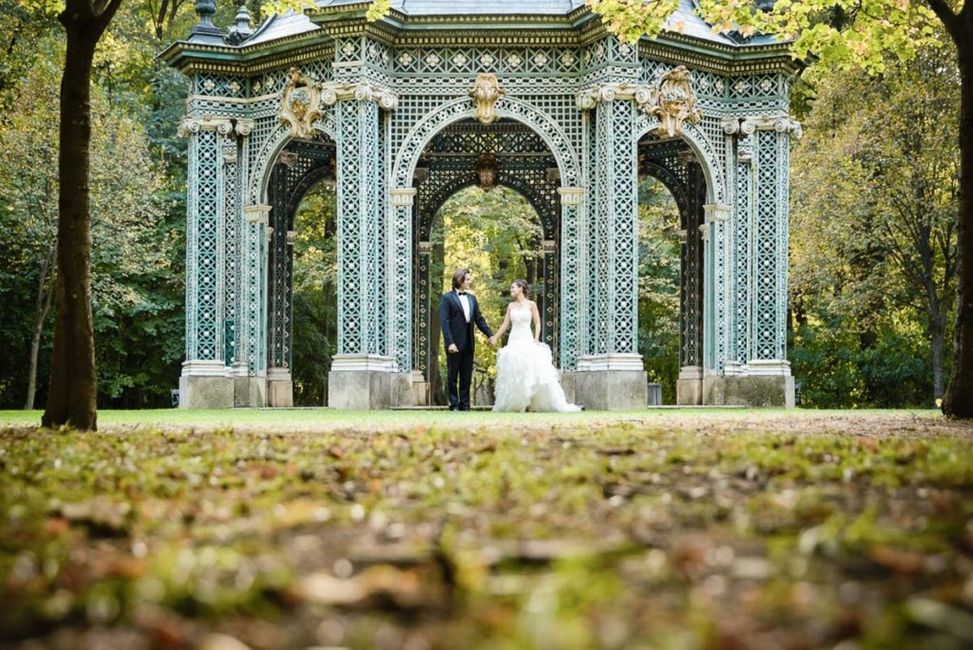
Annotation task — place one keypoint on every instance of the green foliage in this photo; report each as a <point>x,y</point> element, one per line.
<point>838,34</point>
<point>873,235</point>
<point>659,270</point>
<point>138,206</point>
<point>315,308</point>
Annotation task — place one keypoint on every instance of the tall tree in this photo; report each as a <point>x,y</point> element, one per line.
<point>892,249</point>
<point>72,396</point>
<point>848,34</point>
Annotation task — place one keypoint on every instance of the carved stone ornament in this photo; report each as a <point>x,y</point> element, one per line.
<point>607,92</point>
<point>333,91</point>
<point>300,105</point>
<point>675,102</point>
<point>486,91</point>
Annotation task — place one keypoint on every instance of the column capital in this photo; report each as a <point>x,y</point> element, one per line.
<point>256,213</point>
<point>195,124</point>
<point>717,212</point>
<point>334,91</point>
<point>229,151</point>
<point>605,92</point>
<point>244,125</point>
<point>403,196</point>
<point>780,122</point>
<point>704,229</point>
<point>572,195</point>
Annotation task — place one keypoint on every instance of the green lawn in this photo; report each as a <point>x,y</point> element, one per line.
<point>701,528</point>
<point>326,419</point>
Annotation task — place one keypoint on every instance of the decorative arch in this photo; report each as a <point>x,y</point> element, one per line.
<point>407,158</point>
<point>701,146</point>
<point>267,156</point>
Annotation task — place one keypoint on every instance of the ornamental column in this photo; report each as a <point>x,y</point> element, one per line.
<point>613,375</point>
<point>767,351</point>
<point>408,386</point>
<point>205,380</point>
<point>252,334</point>
<point>716,284</point>
<point>360,376</point>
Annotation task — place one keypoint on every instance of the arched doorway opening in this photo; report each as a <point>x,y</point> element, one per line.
<point>497,234</point>
<point>315,294</point>
<point>504,161</point>
<point>301,272</point>
<point>659,286</point>
<point>672,196</point>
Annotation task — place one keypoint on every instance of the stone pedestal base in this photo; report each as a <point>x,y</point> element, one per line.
<point>360,382</point>
<point>689,386</point>
<point>402,390</point>
<point>767,383</point>
<point>419,388</point>
<point>760,391</point>
<point>250,392</point>
<point>280,388</point>
<point>569,382</point>
<point>611,382</point>
<point>205,385</point>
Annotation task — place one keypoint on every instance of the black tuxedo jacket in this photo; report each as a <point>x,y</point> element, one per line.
<point>453,323</point>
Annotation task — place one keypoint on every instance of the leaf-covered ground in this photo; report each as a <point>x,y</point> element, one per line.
<point>659,529</point>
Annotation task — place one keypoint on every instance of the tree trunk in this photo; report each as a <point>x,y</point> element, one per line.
<point>938,340</point>
<point>42,307</point>
<point>71,399</point>
<point>958,401</point>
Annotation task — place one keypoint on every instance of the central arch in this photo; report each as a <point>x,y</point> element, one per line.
<point>407,158</point>
<point>446,164</point>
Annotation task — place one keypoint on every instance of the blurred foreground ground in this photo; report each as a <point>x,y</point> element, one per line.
<point>657,529</point>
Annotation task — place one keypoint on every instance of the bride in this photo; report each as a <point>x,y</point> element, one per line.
<point>526,376</point>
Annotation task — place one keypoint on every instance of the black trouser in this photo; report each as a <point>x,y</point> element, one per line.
<point>459,365</point>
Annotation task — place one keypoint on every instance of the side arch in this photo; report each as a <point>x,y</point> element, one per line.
<point>263,165</point>
<point>701,146</point>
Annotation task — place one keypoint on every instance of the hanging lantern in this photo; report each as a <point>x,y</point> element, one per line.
<point>486,171</point>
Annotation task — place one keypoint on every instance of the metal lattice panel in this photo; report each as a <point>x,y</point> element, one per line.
<point>769,273</point>
<point>743,218</point>
<point>204,309</point>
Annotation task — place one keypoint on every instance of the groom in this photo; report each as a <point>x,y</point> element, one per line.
<point>458,312</point>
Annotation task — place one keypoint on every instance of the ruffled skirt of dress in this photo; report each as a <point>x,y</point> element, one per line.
<point>527,378</point>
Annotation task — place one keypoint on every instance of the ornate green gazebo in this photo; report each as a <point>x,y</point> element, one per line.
<point>537,96</point>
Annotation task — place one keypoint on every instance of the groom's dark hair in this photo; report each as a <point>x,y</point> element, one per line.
<point>458,277</point>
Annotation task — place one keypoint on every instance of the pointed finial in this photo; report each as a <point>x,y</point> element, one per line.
<point>205,10</point>
<point>241,29</point>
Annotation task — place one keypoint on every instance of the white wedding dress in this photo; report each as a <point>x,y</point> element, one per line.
<point>526,376</point>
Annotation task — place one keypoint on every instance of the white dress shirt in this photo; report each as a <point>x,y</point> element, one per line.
<point>465,301</point>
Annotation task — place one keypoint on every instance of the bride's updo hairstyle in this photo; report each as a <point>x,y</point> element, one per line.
<point>523,287</point>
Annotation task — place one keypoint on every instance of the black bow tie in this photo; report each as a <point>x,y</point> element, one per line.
<point>462,293</point>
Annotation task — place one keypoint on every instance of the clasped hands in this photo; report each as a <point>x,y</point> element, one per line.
<point>452,349</point>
